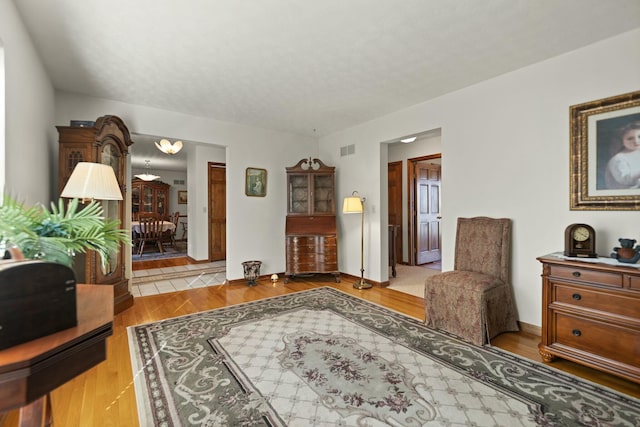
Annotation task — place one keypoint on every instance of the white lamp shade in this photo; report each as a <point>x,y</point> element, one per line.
<point>92,181</point>
<point>352,204</point>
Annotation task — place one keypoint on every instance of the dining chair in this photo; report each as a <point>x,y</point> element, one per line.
<point>150,232</point>
<point>475,300</point>
<point>169,235</point>
<point>175,218</point>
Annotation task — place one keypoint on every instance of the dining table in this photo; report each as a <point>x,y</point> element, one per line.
<point>166,226</point>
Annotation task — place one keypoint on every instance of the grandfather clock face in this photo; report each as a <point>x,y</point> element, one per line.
<point>110,156</point>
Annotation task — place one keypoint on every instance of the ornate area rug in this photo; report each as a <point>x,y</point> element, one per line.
<point>152,252</point>
<point>325,358</point>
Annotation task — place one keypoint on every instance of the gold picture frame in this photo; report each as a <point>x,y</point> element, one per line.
<point>182,197</point>
<point>255,182</point>
<point>597,147</point>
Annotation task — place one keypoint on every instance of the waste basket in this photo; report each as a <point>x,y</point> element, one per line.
<point>251,271</point>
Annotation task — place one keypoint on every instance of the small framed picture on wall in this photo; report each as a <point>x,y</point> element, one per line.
<point>256,182</point>
<point>182,197</point>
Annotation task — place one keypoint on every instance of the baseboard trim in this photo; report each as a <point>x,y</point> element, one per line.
<point>530,329</point>
<point>357,279</point>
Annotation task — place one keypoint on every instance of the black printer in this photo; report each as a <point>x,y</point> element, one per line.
<point>37,298</point>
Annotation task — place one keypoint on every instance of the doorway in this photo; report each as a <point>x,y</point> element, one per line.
<point>217,176</point>
<point>394,179</point>
<point>424,201</point>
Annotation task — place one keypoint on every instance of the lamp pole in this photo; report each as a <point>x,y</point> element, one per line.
<point>362,284</point>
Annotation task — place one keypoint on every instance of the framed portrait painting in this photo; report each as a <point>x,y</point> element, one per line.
<point>182,197</point>
<point>605,154</point>
<point>256,182</point>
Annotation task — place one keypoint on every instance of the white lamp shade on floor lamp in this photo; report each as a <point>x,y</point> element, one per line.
<point>92,181</point>
<point>352,204</point>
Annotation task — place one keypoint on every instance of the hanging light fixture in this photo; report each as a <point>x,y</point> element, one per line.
<point>147,176</point>
<point>166,147</point>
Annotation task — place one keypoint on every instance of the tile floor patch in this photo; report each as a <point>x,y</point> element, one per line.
<point>171,279</point>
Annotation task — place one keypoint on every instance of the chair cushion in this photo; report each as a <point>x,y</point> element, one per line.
<point>463,281</point>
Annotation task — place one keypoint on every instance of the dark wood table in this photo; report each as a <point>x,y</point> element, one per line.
<point>30,371</point>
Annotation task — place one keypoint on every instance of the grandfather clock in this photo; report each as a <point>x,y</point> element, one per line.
<point>106,142</point>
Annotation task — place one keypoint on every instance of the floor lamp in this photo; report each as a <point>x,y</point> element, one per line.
<point>355,204</point>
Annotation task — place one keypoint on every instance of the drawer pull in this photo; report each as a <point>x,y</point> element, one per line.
<point>576,274</point>
<point>576,332</point>
<point>576,297</point>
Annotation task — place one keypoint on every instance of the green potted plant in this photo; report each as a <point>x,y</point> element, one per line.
<point>56,235</point>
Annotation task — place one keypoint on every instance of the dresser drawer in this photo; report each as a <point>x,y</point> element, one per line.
<point>634,282</point>
<point>301,240</point>
<point>601,278</point>
<point>301,248</point>
<point>302,267</point>
<point>598,338</point>
<point>595,299</point>
<point>328,252</point>
<point>329,240</point>
<point>297,267</point>
<point>301,258</point>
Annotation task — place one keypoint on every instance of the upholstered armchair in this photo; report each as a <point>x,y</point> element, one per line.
<point>475,300</point>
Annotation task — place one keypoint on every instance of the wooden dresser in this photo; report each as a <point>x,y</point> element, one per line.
<point>310,231</point>
<point>591,315</point>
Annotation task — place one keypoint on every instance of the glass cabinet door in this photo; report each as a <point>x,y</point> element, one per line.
<point>323,193</point>
<point>298,194</point>
<point>110,156</point>
<point>135,199</point>
<point>161,202</point>
<point>147,199</point>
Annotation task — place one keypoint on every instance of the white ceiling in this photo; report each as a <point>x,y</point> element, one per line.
<point>308,67</point>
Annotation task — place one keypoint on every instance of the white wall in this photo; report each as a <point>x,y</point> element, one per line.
<point>255,226</point>
<point>29,135</point>
<point>505,153</point>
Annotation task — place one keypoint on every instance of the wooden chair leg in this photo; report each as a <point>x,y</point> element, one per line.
<point>141,247</point>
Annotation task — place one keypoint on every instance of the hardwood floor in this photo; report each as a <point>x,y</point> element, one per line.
<point>104,396</point>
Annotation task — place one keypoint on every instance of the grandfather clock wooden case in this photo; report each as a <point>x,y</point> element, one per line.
<point>311,234</point>
<point>107,142</point>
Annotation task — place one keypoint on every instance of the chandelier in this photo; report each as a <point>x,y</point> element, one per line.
<point>147,176</point>
<point>166,147</point>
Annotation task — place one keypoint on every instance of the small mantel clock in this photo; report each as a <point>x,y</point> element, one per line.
<point>580,241</point>
<point>106,142</point>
